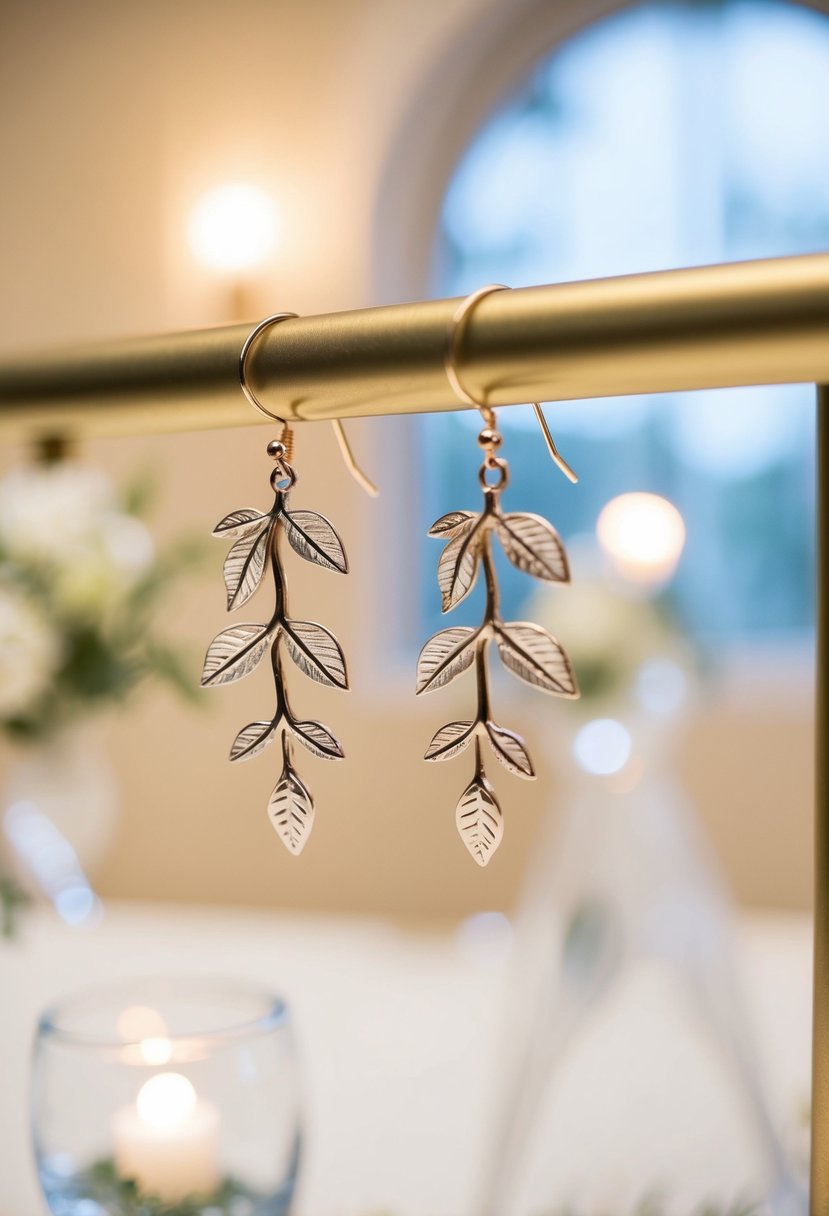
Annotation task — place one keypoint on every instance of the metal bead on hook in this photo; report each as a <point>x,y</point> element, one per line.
<point>283,476</point>
<point>490,439</point>
<point>283,447</point>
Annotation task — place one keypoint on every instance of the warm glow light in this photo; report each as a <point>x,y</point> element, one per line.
<point>145,1033</point>
<point>643,535</point>
<point>233,228</point>
<point>140,1022</point>
<point>156,1051</point>
<point>166,1102</point>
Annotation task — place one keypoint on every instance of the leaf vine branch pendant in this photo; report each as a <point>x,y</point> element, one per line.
<point>236,651</point>
<point>528,651</point>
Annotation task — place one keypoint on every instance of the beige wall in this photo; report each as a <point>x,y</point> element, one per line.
<point>115,119</point>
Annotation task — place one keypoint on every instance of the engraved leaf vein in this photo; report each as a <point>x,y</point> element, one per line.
<point>316,652</point>
<point>532,544</point>
<point>450,740</point>
<point>536,658</point>
<point>235,652</point>
<point>291,811</point>
<point>479,820</point>
<point>444,657</point>
<point>313,537</point>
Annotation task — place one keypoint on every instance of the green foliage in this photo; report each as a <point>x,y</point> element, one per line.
<point>140,494</point>
<point>121,1196</point>
<point>103,660</point>
<point>12,899</point>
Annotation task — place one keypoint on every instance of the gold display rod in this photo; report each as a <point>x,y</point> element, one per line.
<point>747,323</point>
<point>819,1192</point>
<point>712,326</point>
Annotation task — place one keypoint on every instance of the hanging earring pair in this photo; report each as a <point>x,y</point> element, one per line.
<point>236,651</point>
<point>528,651</point>
<point>530,543</point>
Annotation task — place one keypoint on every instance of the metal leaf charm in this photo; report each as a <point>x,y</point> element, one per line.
<point>257,542</point>
<point>318,739</point>
<point>458,567</point>
<point>533,545</point>
<point>452,524</point>
<point>244,566</point>
<point>239,523</point>
<point>291,811</point>
<point>479,819</point>
<point>450,740</point>
<point>313,537</point>
<point>509,748</point>
<point>445,656</point>
<point>234,652</point>
<point>253,739</point>
<point>316,652</point>
<point>535,657</point>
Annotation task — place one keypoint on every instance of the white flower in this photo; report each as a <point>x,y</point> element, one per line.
<point>29,653</point>
<point>601,622</point>
<point>64,519</point>
<point>607,629</point>
<point>52,514</point>
<point>93,584</point>
<point>127,544</point>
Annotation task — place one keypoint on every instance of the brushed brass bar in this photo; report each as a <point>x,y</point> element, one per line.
<point>819,1191</point>
<point>745,323</point>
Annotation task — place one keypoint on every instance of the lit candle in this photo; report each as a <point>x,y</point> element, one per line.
<point>168,1141</point>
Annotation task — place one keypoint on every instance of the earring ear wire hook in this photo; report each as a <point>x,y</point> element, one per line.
<point>243,364</point>
<point>451,360</point>
<point>286,436</point>
<point>354,469</point>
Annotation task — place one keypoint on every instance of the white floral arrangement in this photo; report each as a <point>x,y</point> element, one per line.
<point>79,581</point>
<point>610,628</point>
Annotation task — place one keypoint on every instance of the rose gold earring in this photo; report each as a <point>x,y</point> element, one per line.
<point>528,651</point>
<point>236,651</point>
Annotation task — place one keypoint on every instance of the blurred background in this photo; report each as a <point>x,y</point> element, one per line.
<point>170,166</point>
<point>388,153</point>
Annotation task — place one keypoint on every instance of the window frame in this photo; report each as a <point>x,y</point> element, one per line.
<point>486,59</point>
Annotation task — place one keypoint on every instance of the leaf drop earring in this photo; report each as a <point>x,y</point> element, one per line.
<point>528,651</point>
<point>236,651</point>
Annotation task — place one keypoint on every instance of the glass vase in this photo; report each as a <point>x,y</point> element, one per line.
<point>60,809</point>
<point>167,1097</point>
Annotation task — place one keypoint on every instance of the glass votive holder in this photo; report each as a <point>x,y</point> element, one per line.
<point>166,1097</point>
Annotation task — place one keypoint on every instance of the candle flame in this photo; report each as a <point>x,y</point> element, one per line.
<point>166,1101</point>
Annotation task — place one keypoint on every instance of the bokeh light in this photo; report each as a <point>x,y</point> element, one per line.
<point>602,747</point>
<point>233,228</point>
<point>643,535</point>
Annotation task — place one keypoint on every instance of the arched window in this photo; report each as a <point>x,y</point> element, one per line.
<point>670,134</point>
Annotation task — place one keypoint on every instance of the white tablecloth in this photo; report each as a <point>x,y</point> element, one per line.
<point>399,1032</point>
